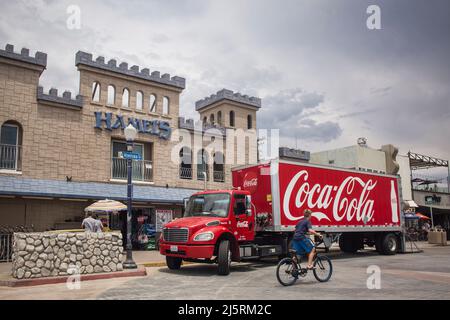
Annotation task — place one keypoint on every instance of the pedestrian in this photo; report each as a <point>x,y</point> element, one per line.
<point>98,224</point>
<point>89,223</point>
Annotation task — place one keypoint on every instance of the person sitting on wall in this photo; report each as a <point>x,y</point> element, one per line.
<point>89,224</point>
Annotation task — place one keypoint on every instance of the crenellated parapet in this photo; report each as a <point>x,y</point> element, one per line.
<point>228,95</point>
<point>65,100</point>
<point>190,124</point>
<point>40,58</point>
<point>133,71</point>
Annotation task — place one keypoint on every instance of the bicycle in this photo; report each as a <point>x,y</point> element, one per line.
<point>289,269</point>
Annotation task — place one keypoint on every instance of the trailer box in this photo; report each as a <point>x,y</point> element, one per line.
<point>341,200</point>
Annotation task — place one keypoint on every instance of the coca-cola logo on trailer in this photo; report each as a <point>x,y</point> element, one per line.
<point>250,182</point>
<point>338,198</point>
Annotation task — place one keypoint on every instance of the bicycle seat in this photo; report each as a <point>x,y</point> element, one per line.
<point>293,251</point>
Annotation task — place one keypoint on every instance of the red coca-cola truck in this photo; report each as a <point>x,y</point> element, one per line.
<point>257,217</point>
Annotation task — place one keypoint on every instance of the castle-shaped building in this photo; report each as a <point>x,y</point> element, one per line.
<point>61,152</point>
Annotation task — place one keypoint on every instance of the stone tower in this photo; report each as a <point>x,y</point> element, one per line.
<point>228,109</point>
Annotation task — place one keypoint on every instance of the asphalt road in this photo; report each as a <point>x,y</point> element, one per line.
<point>404,276</point>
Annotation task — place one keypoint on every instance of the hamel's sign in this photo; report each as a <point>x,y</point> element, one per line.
<point>154,127</point>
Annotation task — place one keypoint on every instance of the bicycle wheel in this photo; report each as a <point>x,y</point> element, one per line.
<point>323,268</point>
<point>287,272</point>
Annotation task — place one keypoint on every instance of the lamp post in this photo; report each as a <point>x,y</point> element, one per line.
<point>130,134</point>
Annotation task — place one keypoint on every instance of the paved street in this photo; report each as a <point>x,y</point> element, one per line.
<point>404,276</point>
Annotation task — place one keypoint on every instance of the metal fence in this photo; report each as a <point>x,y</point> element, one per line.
<point>142,169</point>
<point>6,241</point>
<point>10,157</point>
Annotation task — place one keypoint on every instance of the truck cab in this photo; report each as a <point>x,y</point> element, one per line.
<point>214,227</point>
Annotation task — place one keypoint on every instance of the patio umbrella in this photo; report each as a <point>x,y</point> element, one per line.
<point>421,216</point>
<point>106,205</point>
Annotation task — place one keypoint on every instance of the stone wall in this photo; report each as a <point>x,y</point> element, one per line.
<point>47,254</point>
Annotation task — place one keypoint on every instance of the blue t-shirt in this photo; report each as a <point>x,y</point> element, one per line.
<point>301,229</point>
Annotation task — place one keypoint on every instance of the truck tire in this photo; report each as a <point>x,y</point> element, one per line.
<point>389,244</point>
<point>173,263</point>
<point>224,258</point>
<point>348,244</point>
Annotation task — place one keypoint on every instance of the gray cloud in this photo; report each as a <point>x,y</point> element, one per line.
<point>290,112</point>
<point>390,85</point>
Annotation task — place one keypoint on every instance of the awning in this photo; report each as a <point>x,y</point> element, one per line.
<point>42,188</point>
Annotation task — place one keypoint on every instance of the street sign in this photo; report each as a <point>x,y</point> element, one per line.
<point>131,155</point>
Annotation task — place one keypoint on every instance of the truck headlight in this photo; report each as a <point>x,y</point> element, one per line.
<point>204,236</point>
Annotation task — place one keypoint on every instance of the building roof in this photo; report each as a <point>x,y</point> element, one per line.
<point>226,94</point>
<point>18,186</point>
<point>40,58</point>
<point>86,58</point>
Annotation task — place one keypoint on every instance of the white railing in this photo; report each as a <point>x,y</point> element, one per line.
<point>219,176</point>
<point>185,173</point>
<point>142,169</point>
<point>10,157</point>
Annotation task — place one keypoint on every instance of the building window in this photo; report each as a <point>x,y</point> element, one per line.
<point>205,120</point>
<point>11,146</point>
<point>165,105</point>
<point>139,100</point>
<point>125,98</point>
<point>152,103</point>
<point>249,122</point>
<point>111,95</point>
<point>96,92</point>
<point>219,118</point>
<point>185,163</point>
<point>231,118</point>
<point>142,169</point>
<point>202,165</point>
<point>218,167</point>
<point>211,119</point>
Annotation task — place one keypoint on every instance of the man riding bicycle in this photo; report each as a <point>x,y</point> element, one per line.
<point>301,242</point>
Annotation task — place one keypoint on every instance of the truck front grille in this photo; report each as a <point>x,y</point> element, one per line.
<point>175,234</point>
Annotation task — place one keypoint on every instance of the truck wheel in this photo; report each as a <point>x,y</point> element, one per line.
<point>348,244</point>
<point>389,244</point>
<point>224,258</point>
<point>173,263</point>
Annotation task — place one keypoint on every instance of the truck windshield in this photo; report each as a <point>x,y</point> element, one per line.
<point>213,205</point>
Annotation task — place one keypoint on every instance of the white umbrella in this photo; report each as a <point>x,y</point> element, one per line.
<point>106,205</point>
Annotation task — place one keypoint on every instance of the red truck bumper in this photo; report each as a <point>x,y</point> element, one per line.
<point>187,251</point>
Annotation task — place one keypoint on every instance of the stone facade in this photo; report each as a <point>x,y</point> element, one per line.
<point>58,139</point>
<point>46,254</point>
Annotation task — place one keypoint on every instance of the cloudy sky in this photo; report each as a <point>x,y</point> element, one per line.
<point>324,77</point>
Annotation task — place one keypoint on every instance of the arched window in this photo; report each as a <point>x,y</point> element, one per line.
<point>95,91</point>
<point>202,165</point>
<point>211,118</point>
<point>219,118</point>
<point>165,105</point>
<point>139,100</point>
<point>231,118</point>
<point>185,163</point>
<point>152,103</point>
<point>218,167</point>
<point>111,95</point>
<point>249,122</point>
<point>11,146</point>
<point>125,98</point>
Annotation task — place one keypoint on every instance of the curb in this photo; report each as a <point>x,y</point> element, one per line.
<point>140,272</point>
<point>160,264</point>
